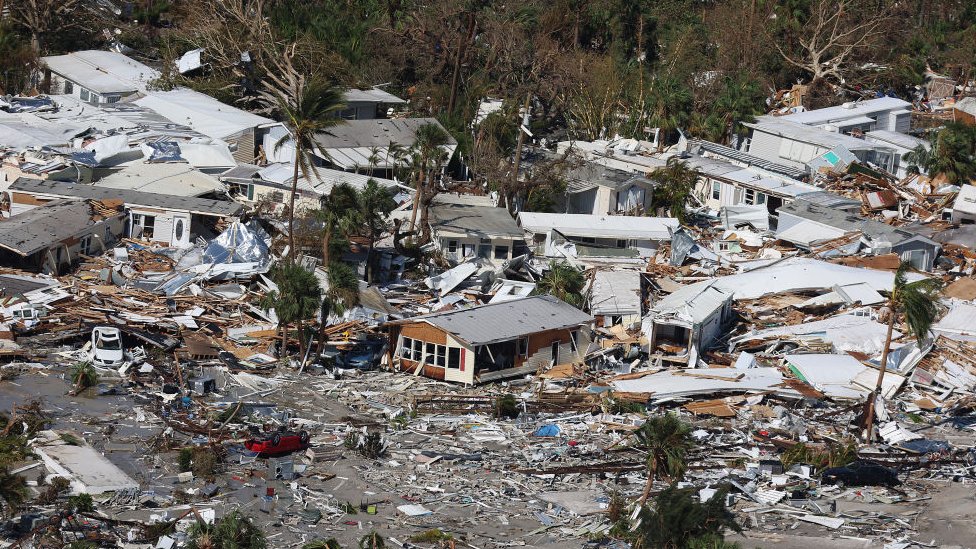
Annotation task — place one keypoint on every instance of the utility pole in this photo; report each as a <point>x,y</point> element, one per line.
<point>523,129</point>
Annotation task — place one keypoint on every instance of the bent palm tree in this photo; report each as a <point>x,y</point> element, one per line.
<point>667,440</point>
<point>307,109</point>
<point>917,302</point>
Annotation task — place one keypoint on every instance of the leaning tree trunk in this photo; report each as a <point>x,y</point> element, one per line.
<point>869,405</point>
<point>301,338</point>
<point>651,473</point>
<point>421,179</point>
<point>327,246</point>
<point>284,341</point>
<point>291,207</point>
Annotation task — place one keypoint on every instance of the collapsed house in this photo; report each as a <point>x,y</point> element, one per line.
<point>686,322</point>
<point>52,236</point>
<point>490,342</point>
<point>808,225</point>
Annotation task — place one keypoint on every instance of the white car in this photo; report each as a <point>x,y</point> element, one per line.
<point>106,346</point>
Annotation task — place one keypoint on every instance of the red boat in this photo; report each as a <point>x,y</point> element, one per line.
<point>278,444</point>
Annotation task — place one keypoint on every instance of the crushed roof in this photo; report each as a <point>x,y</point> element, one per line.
<point>175,179</point>
<point>693,303</point>
<point>201,112</point>
<point>352,144</point>
<point>848,222</point>
<point>506,320</point>
<point>204,206</point>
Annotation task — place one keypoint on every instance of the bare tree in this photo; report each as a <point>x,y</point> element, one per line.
<point>41,17</point>
<point>835,30</point>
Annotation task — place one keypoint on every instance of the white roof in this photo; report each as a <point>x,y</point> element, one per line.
<point>959,323</point>
<point>282,173</point>
<point>201,112</point>
<point>599,226</point>
<point>370,95</point>
<point>689,382</point>
<point>902,142</point>
<point>966,199</point>
<point>847,111</point>
<point>808,134</point>
<point>615,293</point>
<point>693,303</point>
<point>808,233</point>
<point>176,179</point>
<point>102,71</point>
<point>842,376</point>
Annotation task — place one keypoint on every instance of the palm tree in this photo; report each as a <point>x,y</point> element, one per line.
<point>375,204</point>
<point>668,104</point>
<point>372,540</point>
<point>429,144</point>
<point>740,100</point>
<point>952,154</point>
<point>307,108</point>
<point>918,159</point>
<point>296,300</point>
<point>339,213</point>
<point>667,440</point>
<point>917,301</point>
<point>562,281</point>
<point>343,294</point>
<point>675,182</point>
<point>233,530</point>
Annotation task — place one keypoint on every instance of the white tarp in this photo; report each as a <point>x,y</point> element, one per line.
<point>681,383</point>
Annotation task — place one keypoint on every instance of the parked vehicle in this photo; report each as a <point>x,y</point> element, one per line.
<point>106,347</point>
<point>278,444</point>
<point>860,473</point>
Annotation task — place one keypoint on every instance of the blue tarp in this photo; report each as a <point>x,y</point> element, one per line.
<point>547,431</point>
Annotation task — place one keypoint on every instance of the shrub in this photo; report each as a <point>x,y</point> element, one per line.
<point>506,406</point>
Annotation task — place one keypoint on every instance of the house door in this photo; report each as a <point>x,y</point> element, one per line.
<point>181,232</point>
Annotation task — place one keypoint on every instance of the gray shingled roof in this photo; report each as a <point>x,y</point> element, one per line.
<point>202,206</point>
<point>38,229</point>
<point>483,221</point>
<point>507,320</point>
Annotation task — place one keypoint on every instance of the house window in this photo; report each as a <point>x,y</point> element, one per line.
<point>146,224</point>
<point>69,88</point>
<point>523,346</point>
<point>278,197</point>
<point>453,358</point>
<point>467,250</point>
<point>501,252</point>
<point>85,95</point>
<point>406,348</point>
<point>621,243</point>
<point>431,354</point>
<point>452,246</point>
<point>85,244</point>
<point>716,190</point>
<point>441,356</point>
<point>750,196</point>
<point>418,350</point>
<point>112,99</point>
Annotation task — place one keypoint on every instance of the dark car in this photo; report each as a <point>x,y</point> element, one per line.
<point>860,473</point>
<point>363,356</point>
